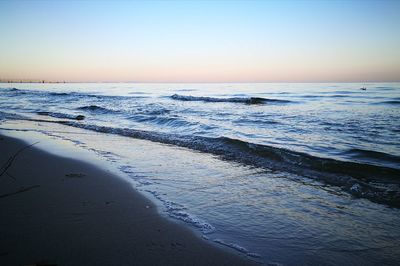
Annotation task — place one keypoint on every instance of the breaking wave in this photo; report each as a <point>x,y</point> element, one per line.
<point>96,108</point>
<point>373,181</point>
<point>62,115</point>
<point>248,100</point>
<point>377,183</point>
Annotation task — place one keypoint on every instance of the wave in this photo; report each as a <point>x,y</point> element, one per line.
<point>159,111</point>
<point>390,102</point>
<point>327,96</point>
<point>249,100</point>
<point>173,122</point>
<point>237,248</point>
<point>174,210</point>
<point>311,96</point>
<point>378,183</point>
<point>47,93</point>
<point>178,212</point>
<point>9,89</point>
<point>185,90</point>
<point>334,172</point>
<point>13,91</point>
<point>139,93</point>
<point>60,93</point>
<point>339,96</point>
<point>255,122</point>
<point>4,116</point>
<point>96,108</point>
<point>63,95</point>
<point>152,109</point>
<point>345,92</point>
<point>385,88</point>
<point>373,155</point>
<point>62,115</point>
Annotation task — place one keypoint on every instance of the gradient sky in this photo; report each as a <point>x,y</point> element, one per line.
<point>203,41</point>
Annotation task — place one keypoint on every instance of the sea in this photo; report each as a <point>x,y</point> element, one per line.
<point>280,173</point>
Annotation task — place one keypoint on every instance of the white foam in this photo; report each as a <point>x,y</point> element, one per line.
<point>237,248</point>
<point>179,212</point>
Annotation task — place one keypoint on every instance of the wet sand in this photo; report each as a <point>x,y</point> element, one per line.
<point>61,211</point>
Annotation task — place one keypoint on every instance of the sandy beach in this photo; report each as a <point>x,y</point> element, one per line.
<point>61,211</point>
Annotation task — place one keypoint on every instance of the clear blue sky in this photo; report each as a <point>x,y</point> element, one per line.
<point>200,41</point>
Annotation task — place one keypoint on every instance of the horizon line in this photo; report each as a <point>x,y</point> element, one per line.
<point>199,82</point>
<point>183,82</point>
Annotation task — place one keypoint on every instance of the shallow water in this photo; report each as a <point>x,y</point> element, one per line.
<point>267,169</point>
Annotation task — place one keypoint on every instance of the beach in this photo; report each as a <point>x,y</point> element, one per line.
<point>62,211</point>
<point>200,133</point>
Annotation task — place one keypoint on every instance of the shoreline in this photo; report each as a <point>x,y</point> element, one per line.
<point>64,211</point>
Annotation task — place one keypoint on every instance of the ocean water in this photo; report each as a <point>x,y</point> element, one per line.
<point>282,173</point>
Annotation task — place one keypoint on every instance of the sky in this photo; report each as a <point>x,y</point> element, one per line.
<point>200,41</point>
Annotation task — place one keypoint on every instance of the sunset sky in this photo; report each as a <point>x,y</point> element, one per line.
<point>204,41</point>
